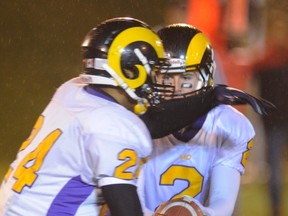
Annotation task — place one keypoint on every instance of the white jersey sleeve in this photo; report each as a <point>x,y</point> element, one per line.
<point>236,134</point>
<point>119,146</point>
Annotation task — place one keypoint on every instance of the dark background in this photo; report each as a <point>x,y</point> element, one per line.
<point>40,48</point>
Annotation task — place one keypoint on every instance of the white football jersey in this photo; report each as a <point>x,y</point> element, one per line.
<point>181,163</point>
<point>80,142</point>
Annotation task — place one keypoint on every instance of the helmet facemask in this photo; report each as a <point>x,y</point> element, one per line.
<point>175,82</point>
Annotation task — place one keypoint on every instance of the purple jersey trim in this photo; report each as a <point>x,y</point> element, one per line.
<point>189,132</point>
<point>68,200</point>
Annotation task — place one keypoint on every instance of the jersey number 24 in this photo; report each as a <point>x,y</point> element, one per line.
<point>26,173</point>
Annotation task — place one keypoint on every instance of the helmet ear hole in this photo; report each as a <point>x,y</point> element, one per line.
<point>131,71</point>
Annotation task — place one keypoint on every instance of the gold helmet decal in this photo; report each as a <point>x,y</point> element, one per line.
<point>196,49</point>
<point>125,38</point>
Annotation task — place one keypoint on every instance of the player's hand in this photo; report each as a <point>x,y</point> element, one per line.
<point>227,95</point>
<point>185,205</point>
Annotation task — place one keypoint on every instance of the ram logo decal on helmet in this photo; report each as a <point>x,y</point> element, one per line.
<point>196,49</point>
<point>123,40</point>
<point>195,54</point>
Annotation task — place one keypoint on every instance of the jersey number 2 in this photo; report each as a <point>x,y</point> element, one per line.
<point>185,173</point>
<point>129,157</point>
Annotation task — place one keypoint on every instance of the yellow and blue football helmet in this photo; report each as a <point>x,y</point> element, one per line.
<point>122,52</point>
<point>187,49</point>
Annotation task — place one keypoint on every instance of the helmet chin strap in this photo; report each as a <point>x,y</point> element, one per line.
<point>142,103</point>
<point>143,59</point>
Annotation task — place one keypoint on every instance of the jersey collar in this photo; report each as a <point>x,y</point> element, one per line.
<point>99,93</point>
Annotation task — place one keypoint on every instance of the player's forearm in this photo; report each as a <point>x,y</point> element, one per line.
<point>225,183</point>
<point>221,207</point>
<point>122,199</point>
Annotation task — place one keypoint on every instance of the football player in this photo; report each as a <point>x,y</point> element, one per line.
<point>87,144</point>
<point>205,159</point>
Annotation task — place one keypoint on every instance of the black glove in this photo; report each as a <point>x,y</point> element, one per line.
<point>227,95</point>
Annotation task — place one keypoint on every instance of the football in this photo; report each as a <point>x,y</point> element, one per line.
<point>179,207</point>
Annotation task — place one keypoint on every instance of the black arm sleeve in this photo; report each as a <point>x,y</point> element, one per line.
<point>173,115</point>
<point>227,95</point>
<point>122,199</point>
